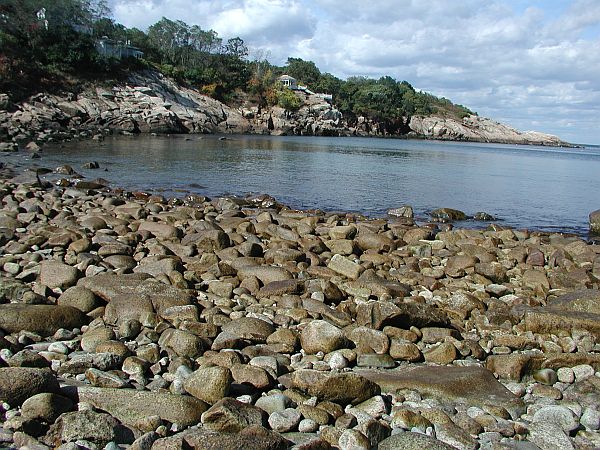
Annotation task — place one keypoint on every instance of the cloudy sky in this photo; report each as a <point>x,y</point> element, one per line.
<point>532,64</point>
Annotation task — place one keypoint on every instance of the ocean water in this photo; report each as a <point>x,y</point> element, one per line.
<point>539,188</point>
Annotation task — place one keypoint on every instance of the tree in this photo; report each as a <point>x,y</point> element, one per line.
<point>305,71</point>
<point>53,32</point>
<point>236,47</point>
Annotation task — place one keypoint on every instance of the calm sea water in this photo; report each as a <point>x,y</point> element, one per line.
<point>524,186</point>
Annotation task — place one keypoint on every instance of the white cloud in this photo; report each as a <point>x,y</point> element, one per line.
<point>531,66</point>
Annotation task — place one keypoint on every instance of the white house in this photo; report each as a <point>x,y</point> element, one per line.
<point>116,49</point>
<point>288,81</point>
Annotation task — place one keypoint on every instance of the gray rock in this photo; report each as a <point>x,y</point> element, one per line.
<point>590,419</point>
<point>286,420</point>
<point>549,436</point>
<point>557,415</point>
<point>56,274</point>
<point>90,426</point>
<point>352,439</point>
<point>413,441</point>
<point>272,403</point>
<point>345,267</point>
<point>403,211</point>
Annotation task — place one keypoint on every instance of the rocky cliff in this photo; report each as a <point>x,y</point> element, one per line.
<point>149,102</point>
<point>478,129</point>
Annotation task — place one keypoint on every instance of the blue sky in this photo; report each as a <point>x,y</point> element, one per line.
<point>532,64</point>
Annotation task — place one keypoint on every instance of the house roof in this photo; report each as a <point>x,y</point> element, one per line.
<point>286,77</point>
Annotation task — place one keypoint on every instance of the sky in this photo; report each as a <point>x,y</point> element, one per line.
<point>534,65</point>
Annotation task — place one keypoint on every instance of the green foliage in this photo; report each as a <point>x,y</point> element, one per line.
<point>288,100</point>
<point>306,72</point>
<point>61,40</point>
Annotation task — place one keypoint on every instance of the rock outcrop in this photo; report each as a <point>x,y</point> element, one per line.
<point>149,102</point>
<point>478,129</point>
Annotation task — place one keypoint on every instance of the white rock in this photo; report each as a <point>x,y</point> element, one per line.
<point>353,440</point>
<point>565,375</point>
<point>590,419</point>
<point>583,371</point>
<point>308,426</point>
<point>557,415</point>
<point>286,420</point>
<point>338,361</point>
<point>549,436</point>
<point>58,347</point>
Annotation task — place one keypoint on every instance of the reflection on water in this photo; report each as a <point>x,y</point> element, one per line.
<point>536,187</point>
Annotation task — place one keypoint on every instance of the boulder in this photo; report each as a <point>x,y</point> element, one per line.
<point>447,215</point>
<point>17,384</point>
<point>44,320</point>
<point>79,297</point>
<point>253,329</point>
<point>232,416</point>
<point>209,384</point>
<point>266,274</point>
<point>252,437</point>
<point>413,441</point>
<point>403,211</point>
<point>556,321</point>
<point>131,405</point>
<point>56,274</point>
<point>321,336</point>
<point>345,267</point>
<point>46,407</point>
<point>341,388</point>
<point>595,221</point>
<point>474,386</point>
<point>88,425</point>
<point>377,314</point>
<point>161,230</point>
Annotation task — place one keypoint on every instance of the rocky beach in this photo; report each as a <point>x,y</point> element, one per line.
<point>128,320</point>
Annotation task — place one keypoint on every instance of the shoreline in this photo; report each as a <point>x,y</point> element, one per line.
<point>422,217</point>
<point>163,318</point>
<point>149,102</point>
